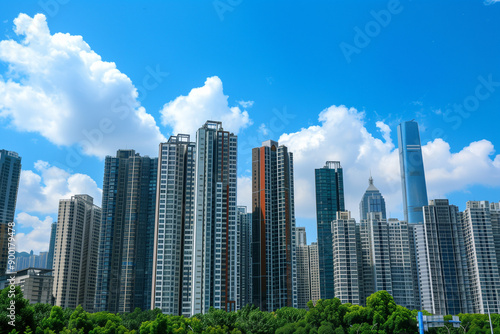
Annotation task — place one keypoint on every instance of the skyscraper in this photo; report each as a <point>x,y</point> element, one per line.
<point>412,172</point>
<point>329,200</point>
<point>10,172</point>
<point>482,261</point>
<point>442,265</point>
<point>75,252</point>
<point>52,244</point>
<point>273,228</point>
<point>303,269</point>
<point>346,258</point>
<point>173,255</point>
<point>126,244</point>
<point>372,201</point>
<point>314,271</point>
<point>215,271</point>
<point>245,256</point>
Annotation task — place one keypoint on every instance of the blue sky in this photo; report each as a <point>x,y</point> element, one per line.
<point>330,79</point>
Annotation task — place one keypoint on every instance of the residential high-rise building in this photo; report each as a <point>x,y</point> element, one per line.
<point>442,265</point>
<point>52,244</point>
<point>388,260</point>
<point>314,272</point>
<point>346,258</point>
<point>329,200</point>
<point>372,201</point>
<point>482,260</point>
<point>495,228</point>
<point>303,269</point>
<point>126,243</point>
<point>273,228</point>
<point>10,172</point>
<point>411,164</point>
<point>75,252</point>
<point>173,254</point>
<point>245,257</point>
<point>215,270</point>
<point>307,270</point>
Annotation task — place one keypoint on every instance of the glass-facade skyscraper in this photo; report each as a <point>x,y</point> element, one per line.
<point>10,172</point>
<point>126,243</point>
<point>329,200</point>
<point>412,172</point>
<point>372,201</point>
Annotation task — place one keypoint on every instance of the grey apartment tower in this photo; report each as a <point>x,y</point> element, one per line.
<point>10,172</point>
<point>274,281</point>
<point>173,254</point>
<point>215,271</point>
<point>124,269</point>
<point>412,172</point>
<point>329,183</point>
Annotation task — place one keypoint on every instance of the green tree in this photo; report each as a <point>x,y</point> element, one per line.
<point>381,305</point>
<point>56,321</point>
<point>80,320</point>
<point>42,311</point>
<point>14,309</point>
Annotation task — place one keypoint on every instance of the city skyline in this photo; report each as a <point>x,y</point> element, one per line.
<point>257,89</point>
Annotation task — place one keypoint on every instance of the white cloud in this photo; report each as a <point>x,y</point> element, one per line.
<point>40,190</point>
<point>245,192</point>
<point>59,87</point>
<point>342,136</point>
<point>490,2</point>
<point>263,129</point>
<point>186,114</point>
<point>39,237</point>
<point>246,104</point>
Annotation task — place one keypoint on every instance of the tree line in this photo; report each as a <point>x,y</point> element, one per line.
<point>330,316</point>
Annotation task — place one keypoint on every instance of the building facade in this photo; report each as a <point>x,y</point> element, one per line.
<point>329,183</point>
<point>411,163</point>
<point>52,244</point>
<point>314,272</point>
<point>442,265</point>
<point>245,257</point>
<point>482,260</point>
<point>75,252</point>
<point>372,201</point>
<point>126,243</point>
<point>35,283</point>
<point>346,258</point>
<point>307,270</point>
<point>215,270</point>
<point>174,227</point>
<point>273,228</point>
<point>10,172</point>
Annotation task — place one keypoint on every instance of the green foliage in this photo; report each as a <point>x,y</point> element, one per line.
<point>56,321</point>
<point>14,309</point>
<point>380,316</point>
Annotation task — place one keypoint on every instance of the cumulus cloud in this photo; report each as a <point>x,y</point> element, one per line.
<point>186,114</point>
<point>245,191</point>
<point>39,237</point>
<point>40,190</point>
<point>342,136</point>
<point>57,86</point>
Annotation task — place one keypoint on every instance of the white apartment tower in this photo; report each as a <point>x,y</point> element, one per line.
<point>215,270</point>
<point>174,227</point>
<point>75,252</point>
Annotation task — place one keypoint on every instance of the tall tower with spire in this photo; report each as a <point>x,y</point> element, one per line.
<point>372,201</point>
